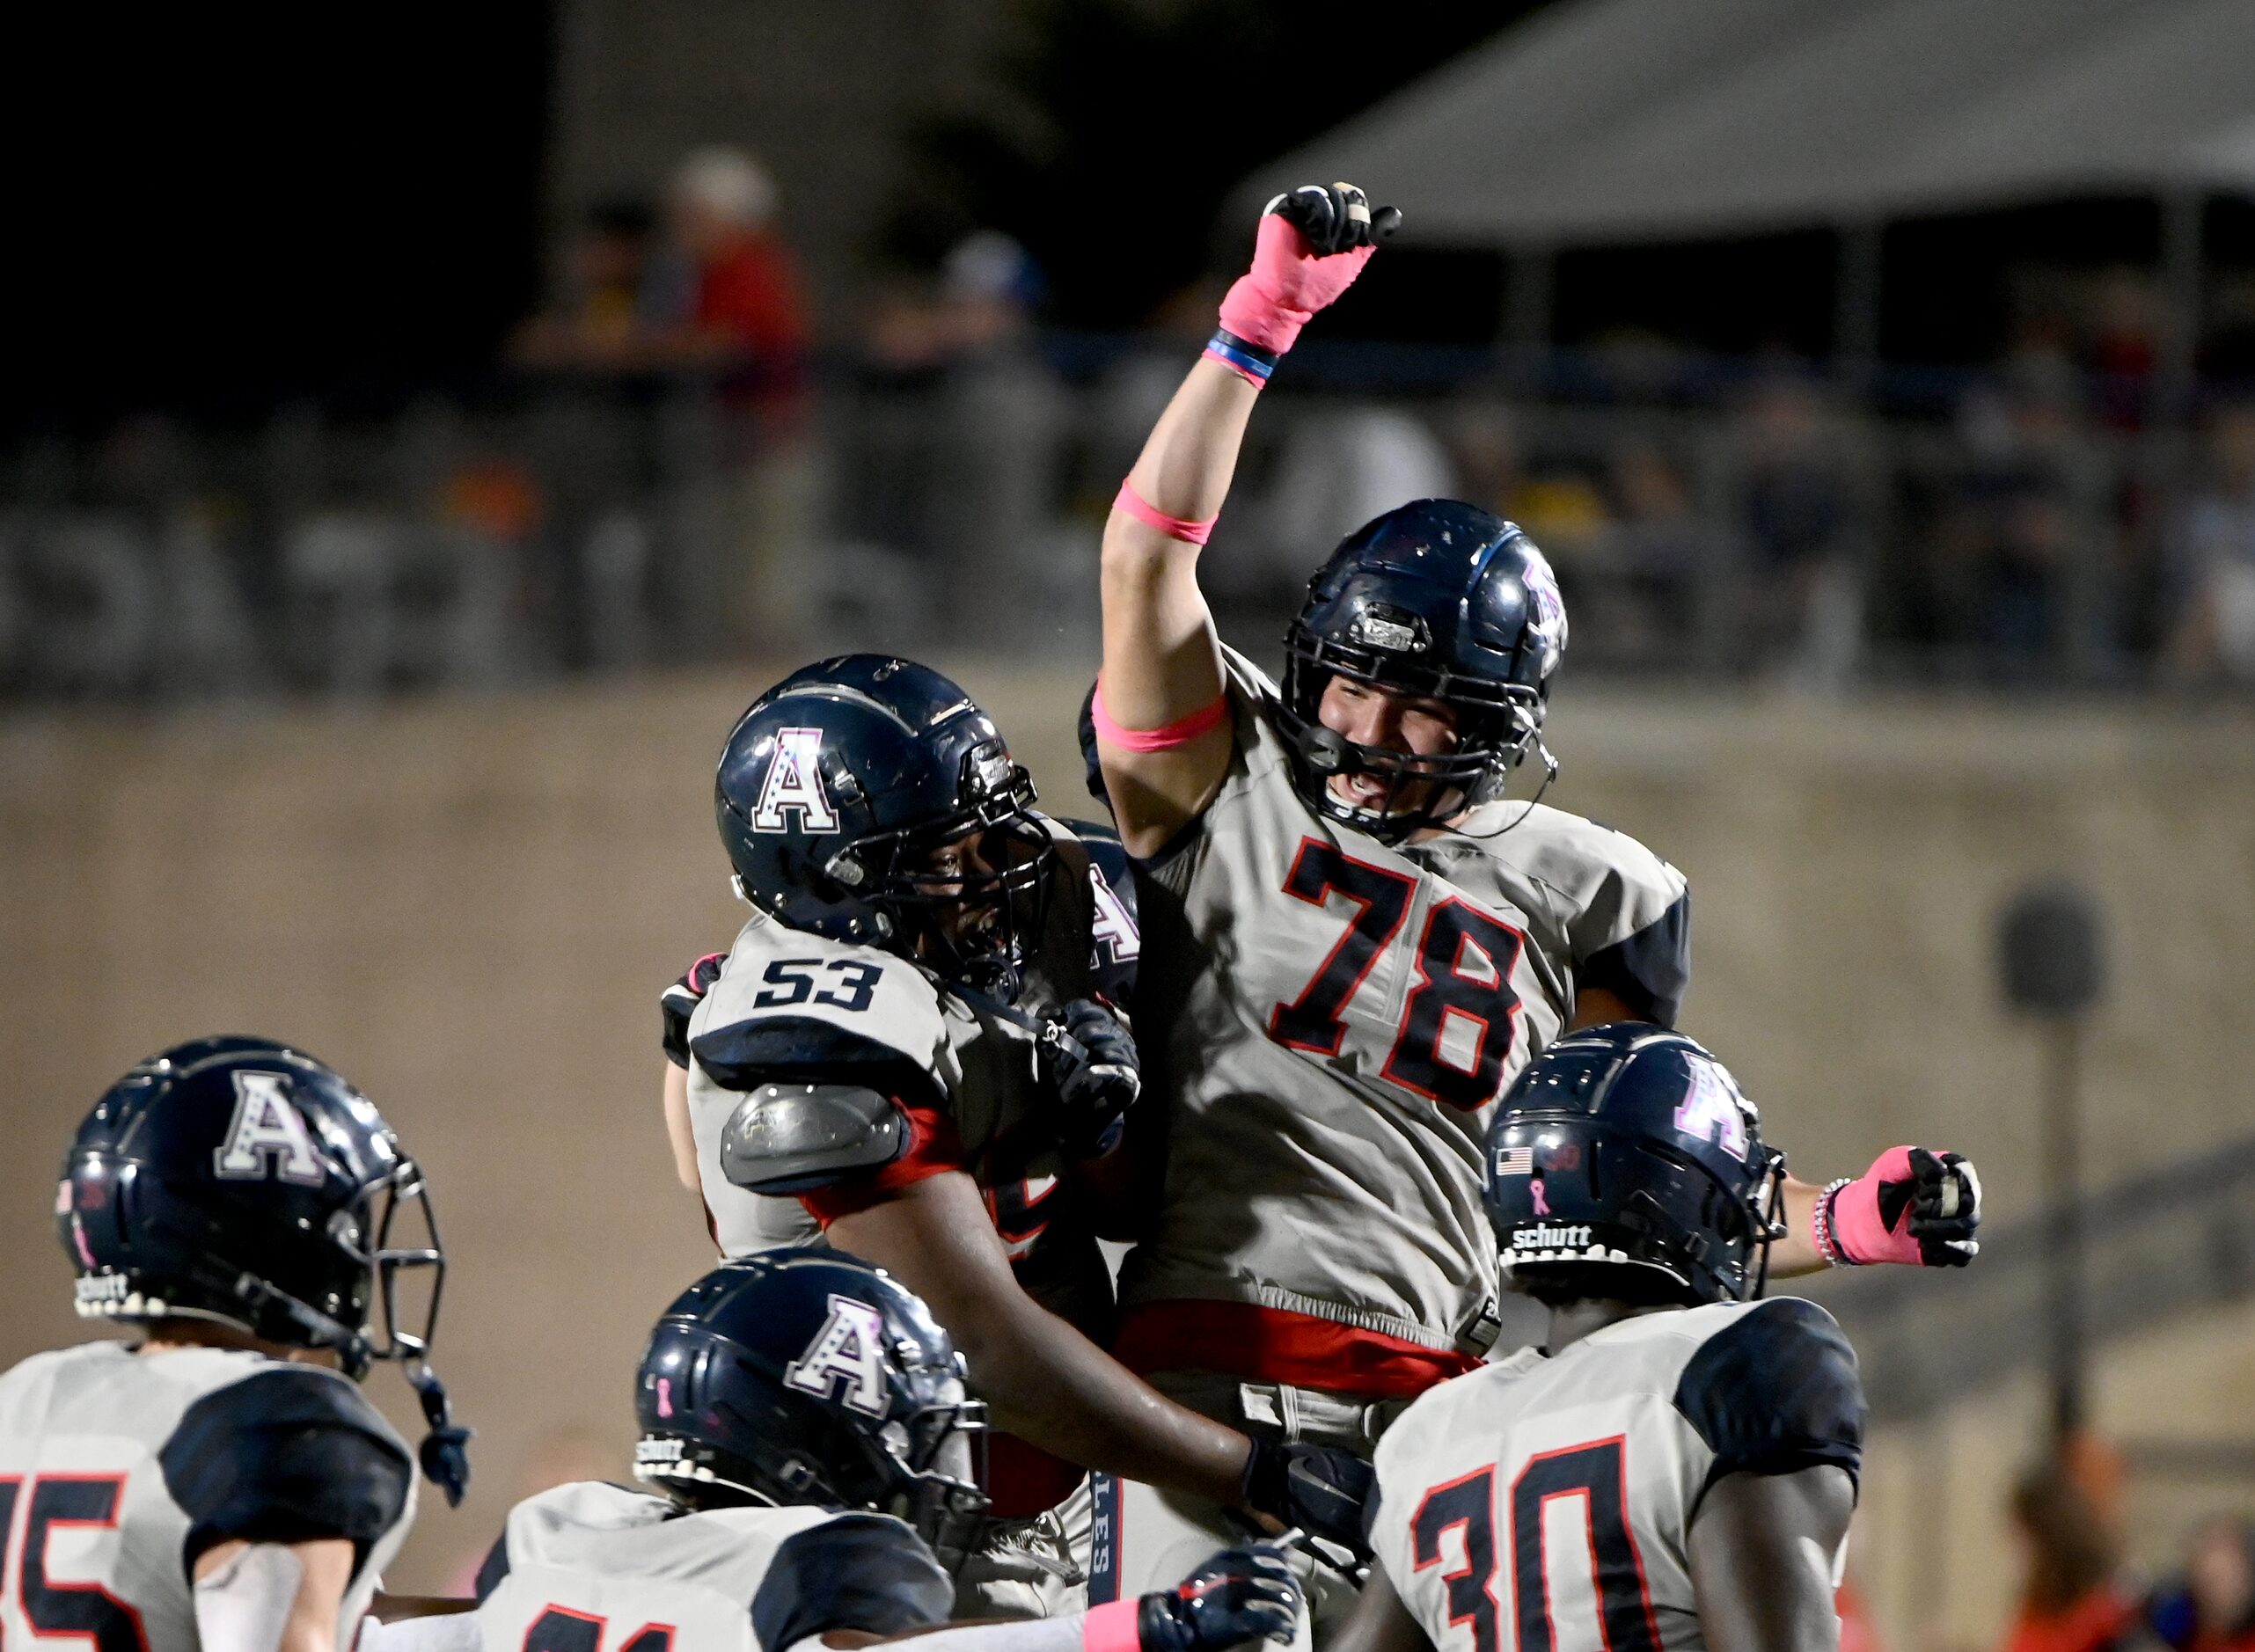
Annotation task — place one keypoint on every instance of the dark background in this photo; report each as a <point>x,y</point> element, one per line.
<point>234,213</point>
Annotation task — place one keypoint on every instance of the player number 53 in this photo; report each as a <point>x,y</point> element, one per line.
<point>792,981</point>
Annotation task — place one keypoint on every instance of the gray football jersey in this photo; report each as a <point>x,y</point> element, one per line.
<point>117,1471</point>
<point>1549,1502</point>
<point>790,1004</point>
<point>1329,1021</point>
<point>596,1568</point>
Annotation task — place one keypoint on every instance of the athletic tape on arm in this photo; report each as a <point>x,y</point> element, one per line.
<point>1173,527</point>
<point>1178,733</point>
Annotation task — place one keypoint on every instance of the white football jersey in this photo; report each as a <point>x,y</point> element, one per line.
<point>1327,1022</point>
<point>595,1567</point>
<point>1545,1504</point>
<point>118,1470</point>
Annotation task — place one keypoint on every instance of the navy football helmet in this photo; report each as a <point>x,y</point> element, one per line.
<point>1435,598</point>
<point>239,1180</point>
<point>868,799</point>
<point>1625,1163</point>
<point>810,1377</point>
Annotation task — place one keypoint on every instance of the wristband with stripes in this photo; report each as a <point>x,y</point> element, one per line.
<point>1249,361</point>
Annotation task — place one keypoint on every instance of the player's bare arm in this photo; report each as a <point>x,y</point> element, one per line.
<point>1160,737</point>
<point>271,1596</point>
<point>1045,1381</point>
<point>1380,1622</point>
<point>679,1134</point>
<point>1764,1555</point>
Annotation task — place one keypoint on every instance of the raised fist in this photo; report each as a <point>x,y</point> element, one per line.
<point>1914,1207</point>
<point>1312,244</point>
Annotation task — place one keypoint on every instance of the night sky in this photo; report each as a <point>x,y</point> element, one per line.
<point>208,215</point>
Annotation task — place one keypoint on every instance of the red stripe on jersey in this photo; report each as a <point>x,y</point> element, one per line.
<point>933,1146</point>
<point>1242,1339</point>
<point>1023,1481</point>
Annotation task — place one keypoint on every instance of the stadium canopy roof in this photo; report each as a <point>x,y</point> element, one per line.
<point>1618,121</point>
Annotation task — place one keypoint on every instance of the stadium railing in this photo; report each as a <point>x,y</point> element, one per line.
<point>1720,520</point>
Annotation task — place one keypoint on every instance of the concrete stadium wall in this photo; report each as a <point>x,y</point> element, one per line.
<point>471,907</point>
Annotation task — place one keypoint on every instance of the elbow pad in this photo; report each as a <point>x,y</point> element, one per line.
<point>786,1138</point>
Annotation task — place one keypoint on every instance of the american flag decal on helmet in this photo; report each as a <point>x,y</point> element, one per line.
<point>1515,1161</point>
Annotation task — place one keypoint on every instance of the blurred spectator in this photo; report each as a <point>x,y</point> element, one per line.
<point>1653,583</point>
<point>1483,438</point>
<point>2213,560</point>
<point>2002,566</point>
<point>737,292</point>
<point>1338,468</point>
<point>2125,348</point>
<point>1003,420</point>
<point>609,304</point>
<point>2071,1599</point>
<point>1799,503</point>
<point>2213,1608</point>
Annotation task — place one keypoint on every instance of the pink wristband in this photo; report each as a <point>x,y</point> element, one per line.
<point>1111,1627</point>
<point>1179,733</point>
<point>1173,527</point>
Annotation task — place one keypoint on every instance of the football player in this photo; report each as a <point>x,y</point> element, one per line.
<point>1675,1466</point>
<point>811,1447</point>
<point>1354,940</point>
<point>905,1040</point>
<point>223,1484</point>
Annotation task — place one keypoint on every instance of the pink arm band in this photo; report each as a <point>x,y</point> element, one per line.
<point>1111,1627</point>
<point>1173,527</point>
<point>1179,733</point>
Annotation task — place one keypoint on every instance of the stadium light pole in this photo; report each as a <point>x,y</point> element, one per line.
<point>2051,956</point>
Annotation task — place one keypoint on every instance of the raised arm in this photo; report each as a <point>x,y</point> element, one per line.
<point>1163,737</point>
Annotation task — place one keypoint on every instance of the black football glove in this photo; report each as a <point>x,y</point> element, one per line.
<point>1239,1595</point>
<point>1088,1058</point>
<point>1335,218</point>
<point>1945,1197</point>
<point>679,1001</point>
<point>1321,1489</point>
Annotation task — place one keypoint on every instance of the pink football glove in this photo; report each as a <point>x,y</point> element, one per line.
<point>1313,242</point>
<point>1919,1208</point>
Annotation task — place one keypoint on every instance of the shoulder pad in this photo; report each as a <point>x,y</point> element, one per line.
<point>866,1572</point>
<point>1775,1390</point>
<point>288,1454</point>
<point>793,1138</point>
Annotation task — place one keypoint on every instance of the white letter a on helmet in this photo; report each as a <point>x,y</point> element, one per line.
<point>849,1346</point>
<point>793,781</point>
<point>267,1135</point>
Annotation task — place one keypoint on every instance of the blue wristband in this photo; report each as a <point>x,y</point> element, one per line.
<point>1251,360</point>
